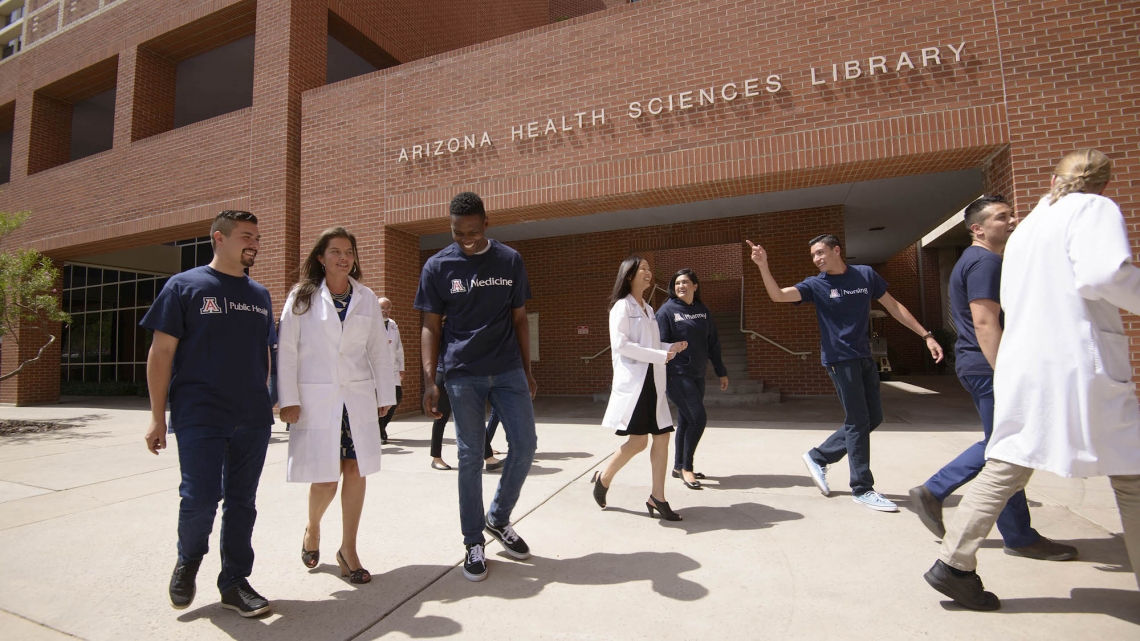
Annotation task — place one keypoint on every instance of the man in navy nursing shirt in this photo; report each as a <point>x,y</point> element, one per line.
<point>975,284</point>
<point>842,296</point>
<point>481,286</point>
<point>213,327</point>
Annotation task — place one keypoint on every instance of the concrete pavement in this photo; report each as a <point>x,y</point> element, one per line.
<point>87,520</point>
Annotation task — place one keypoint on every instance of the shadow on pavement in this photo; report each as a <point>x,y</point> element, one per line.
<point>325,618</point>
<point>560,456</point>
<point>1109,551</point>
<point>756,482</point>
<point>1121,604</point>
<point>705,518</point>
<point>41,430</point>
<point>526,579</point>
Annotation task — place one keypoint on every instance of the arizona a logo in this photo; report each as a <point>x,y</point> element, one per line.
<point>210,306</point>
<point>457,286</point>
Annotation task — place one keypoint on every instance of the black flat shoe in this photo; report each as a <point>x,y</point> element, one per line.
<point>677,474</point>
<point>495,467</point>
<point>310,557</point>
<point>440,466</point>
<point>663,508</point>
<point>358,576</point>
<point>599,490</point>
<point>695,485</point>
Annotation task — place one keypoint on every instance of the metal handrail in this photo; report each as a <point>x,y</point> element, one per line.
<point>590,358</point>
<point>587,359</point>
<point>754,335</point>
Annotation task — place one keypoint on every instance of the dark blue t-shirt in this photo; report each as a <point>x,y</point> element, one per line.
<point>976,276</point>
<point>224,327</point>
<point>477,294</point>
<point>678,322</point>
<point>843,308</point>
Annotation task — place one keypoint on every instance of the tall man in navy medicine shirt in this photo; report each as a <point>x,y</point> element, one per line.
<point>213,326</point>
<point>842,296</point>
<point>975,285</point>
<point>481,286</point>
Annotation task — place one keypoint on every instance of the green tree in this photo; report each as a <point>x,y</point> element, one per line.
<point>27,284</point>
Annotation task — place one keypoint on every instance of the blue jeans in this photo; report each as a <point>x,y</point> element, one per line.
<point>220,464</point>
<point>688,394</point>
<point>510,399</point>
<point>1013,522</point>
<point>857,383</point>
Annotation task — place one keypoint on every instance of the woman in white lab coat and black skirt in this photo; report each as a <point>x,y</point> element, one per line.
<point>637,407</point>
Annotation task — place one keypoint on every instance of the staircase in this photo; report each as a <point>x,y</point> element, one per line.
<point>734,351</point>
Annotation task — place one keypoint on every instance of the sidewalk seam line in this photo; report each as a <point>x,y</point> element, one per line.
<point>37,623</point>
<point>447,571</point>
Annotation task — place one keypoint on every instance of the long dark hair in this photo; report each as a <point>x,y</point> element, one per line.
<point>313,272</point>
<point>625,276</point>
<point>685,271</point>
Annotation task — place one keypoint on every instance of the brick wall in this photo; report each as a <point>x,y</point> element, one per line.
<point>1062,77</point>
<point>908,352</point>
<point>716,267</point>
<point>569,292</point>
<point>1070,76</point>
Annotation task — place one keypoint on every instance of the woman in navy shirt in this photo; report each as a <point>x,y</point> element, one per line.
<point>685,318</point>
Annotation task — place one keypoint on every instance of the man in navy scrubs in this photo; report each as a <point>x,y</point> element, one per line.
<point>842,296</point>
<point>975,284</point>
<point>481,286</point>
<point>213,327</point>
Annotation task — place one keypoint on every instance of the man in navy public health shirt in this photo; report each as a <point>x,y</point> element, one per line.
<point>842,296</point>
<point>213,327</point>
<point>481,286</point>
<point>975,285</point>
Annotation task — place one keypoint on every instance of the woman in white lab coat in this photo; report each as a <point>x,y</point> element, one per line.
<point>637,407</point>
<point>335,374</point>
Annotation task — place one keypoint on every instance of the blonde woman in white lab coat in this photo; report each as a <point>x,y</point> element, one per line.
<point>637,407</point>
<point>1063,394</point>
<point>336,379</point>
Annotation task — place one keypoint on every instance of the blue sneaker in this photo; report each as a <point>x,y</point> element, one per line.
<point>818,474</point>
<point>875,501</point>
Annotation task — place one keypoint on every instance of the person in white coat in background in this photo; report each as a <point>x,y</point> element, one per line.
<point>1064,400</point>
<point>397,347</point>
<point>335,371</point>
<point>637,406</point>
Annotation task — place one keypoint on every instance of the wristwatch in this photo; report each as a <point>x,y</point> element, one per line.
<point>928,335</point>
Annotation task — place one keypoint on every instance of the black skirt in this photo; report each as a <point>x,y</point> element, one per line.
<point>644,419</point>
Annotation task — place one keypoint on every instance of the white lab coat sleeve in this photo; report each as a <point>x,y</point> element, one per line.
<point>398,344</point>
<point>288,346</point>
<point>380,357</point>
<point>1101,256</point>
<point>620,341</point>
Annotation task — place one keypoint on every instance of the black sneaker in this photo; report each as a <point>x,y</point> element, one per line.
<point>966,589</point>
<point>182,588</point>
<point>475,563</point>
<point>243,598</point>
<point>512,542</point>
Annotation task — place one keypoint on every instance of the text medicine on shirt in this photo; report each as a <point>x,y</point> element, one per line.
<point>477,294</point>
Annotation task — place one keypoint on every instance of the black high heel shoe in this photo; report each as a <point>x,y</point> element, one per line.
<point>310,557</point>
<point>357,576</point>
<point>599,490</point>
<point>662,507</point>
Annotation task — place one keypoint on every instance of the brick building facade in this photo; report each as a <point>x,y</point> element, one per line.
<point>591,129</point>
